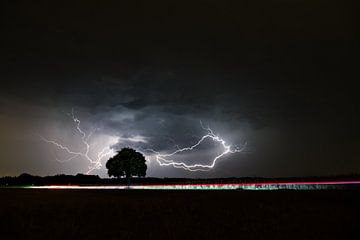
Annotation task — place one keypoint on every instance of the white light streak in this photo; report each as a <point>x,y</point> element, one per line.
<point>165,159</point>
<point>94,162</point>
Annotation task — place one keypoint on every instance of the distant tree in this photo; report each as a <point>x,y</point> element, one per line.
<point>127,162</point>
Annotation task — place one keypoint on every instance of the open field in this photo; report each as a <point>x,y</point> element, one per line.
<point>144,214</point>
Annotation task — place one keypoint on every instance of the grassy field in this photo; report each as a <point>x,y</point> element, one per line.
<point>139,214</point>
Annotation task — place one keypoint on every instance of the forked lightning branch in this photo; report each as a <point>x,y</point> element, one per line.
<point>166,159</point>
<point>94,162</point>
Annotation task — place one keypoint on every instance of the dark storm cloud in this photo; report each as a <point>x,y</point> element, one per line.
<point>279,74</point>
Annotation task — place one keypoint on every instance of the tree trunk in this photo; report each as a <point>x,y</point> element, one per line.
<point>128,180</point>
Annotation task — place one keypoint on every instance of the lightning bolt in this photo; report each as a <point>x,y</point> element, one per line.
<point>95,162</point>
<point>165,159</point>
<point>162,159</point>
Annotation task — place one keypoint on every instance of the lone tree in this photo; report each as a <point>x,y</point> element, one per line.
<point>127,162</point>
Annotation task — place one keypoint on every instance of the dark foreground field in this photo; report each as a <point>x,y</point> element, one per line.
<point>133,214</point>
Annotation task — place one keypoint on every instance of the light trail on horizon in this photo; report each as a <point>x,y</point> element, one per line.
<point>315,185</point>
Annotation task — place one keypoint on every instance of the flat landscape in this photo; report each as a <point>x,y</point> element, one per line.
<point>150,214</point>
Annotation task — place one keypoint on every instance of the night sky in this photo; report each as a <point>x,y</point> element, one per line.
<point>277,75</point>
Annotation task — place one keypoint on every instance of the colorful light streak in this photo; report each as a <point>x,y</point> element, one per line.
<point>234,186</point>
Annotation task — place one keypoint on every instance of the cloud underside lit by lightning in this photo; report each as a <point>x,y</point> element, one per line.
<point>94,162</point>
<point>162,159</point>
<point>165,159</point>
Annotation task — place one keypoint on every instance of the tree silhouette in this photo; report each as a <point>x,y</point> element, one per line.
<point>127,162</point>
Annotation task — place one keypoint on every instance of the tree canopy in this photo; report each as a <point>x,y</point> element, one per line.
<point>127,162</point>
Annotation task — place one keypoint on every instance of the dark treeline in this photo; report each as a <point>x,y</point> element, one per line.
<point>81,179</point>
